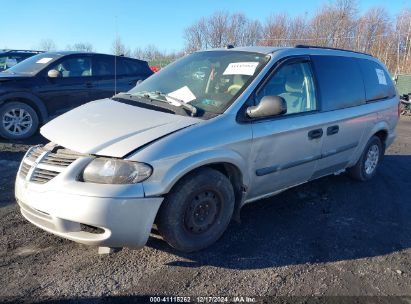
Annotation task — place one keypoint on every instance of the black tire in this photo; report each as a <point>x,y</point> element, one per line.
<point>27,125</point>
<point>197,211</point>
<point>360,171</point>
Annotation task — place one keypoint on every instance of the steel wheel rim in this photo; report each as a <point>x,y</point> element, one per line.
<point>17,121</point>
<point>373,155</point>
<point>202,211</point>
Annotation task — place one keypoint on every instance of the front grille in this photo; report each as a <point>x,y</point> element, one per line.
<point>48,162</point>
<point>35,153</point>
<point>24,170</point>
<point>61,158</point>
<point>42,176</point>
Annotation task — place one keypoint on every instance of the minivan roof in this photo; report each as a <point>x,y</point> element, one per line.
<point>65,53</point>
<point>303,49</point>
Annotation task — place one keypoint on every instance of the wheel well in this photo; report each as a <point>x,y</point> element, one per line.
<point>382,135</point>
<point>233,174</point>
<point>29,102</point>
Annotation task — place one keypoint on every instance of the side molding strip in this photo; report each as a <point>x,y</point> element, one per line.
<point>276,168</point>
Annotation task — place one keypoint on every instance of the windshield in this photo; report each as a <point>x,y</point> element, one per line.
<point>210,81</point>
<point>33,65</point>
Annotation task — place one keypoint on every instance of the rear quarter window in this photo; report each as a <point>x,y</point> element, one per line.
<point>378,83</point>
<point>340,82</point>
<point>138,67</point>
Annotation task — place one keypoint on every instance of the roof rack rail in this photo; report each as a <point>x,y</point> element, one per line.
<point>10,50</point>
<point>329,48</point>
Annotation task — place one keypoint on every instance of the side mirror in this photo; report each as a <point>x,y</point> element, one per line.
<point>268,106</point>
<point>53,74</point>
<point>138,82</point>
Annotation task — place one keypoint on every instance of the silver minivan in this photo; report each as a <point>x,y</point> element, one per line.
<point>189,146</point>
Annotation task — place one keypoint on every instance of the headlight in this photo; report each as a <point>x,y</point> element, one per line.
<point>116,171</point>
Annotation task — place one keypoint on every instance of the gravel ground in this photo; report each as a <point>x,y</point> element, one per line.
<point>333,236</point>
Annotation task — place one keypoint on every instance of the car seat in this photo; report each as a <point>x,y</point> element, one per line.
<point>293,94</point>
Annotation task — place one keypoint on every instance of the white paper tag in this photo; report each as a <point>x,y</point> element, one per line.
<point>184,94</point>
<point>44,60</point>
<point>381,77</point>
<point>241,68</point>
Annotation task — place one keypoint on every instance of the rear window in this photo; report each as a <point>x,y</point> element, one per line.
<point>134,67</point>
<point>340,82</point>
<point>378,83</point>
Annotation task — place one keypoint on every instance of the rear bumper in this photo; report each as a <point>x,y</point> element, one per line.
<point>125,221</point>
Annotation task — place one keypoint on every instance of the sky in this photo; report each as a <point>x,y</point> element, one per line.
<point>137,22</point>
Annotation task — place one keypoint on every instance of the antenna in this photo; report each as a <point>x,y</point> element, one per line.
<point>115,56</point>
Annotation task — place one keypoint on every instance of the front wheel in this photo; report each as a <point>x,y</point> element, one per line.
<point>197,211</point>
<point>367,165</point>
<point>18,120</point>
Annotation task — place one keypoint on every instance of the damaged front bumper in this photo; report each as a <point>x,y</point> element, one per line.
<point>91,214</point>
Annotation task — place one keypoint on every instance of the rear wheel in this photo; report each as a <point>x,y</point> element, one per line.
<point>197,211</point>
<point>18,120</point>
<point>367,165</point>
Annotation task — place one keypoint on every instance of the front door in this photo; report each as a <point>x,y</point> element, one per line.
<point>286,148</point>
<point>71,88</point>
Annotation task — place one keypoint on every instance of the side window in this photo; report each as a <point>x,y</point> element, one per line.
<point>294,82</point>
<point>340,82</point>
<point>122,67</point>
<point>10,60</point>
<point>103,66</point>
<point>134,68</point>
<point>140,67</point>
<point>74,67</point>
<point>378,83</point>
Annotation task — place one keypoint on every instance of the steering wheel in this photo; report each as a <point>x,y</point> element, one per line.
<point>233,89</point>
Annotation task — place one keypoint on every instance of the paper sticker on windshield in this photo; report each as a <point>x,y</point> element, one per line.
<point>241,68</point>
<point>44,60</point>
<point>183,94</point>
<point>381,77</point>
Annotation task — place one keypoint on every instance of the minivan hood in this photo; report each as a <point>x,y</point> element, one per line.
<point>111,128</point>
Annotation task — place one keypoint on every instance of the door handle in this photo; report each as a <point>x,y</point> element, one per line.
<point>317,133</point>
<point>89,84</point>
<point>333,130</point>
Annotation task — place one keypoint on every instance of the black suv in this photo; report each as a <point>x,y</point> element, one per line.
<point>9,58</point>
<point>49,84</point>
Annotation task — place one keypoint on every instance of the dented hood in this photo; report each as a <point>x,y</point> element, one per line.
<point>111,128</point>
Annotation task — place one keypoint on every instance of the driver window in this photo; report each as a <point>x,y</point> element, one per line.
<point>74,67</point>
<point>294,83</point>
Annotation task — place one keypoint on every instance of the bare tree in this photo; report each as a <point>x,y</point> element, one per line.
<point>252,34</point>
<point>196,36</point>
<point>47,45</point>
<point>221,29</point>
<point>119,49</point>
<point>275,31</point>
<point>83,47</point>
<point>403,30</point>
<point>336,24</point>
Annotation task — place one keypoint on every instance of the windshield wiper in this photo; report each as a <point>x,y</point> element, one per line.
<point>180,102</point>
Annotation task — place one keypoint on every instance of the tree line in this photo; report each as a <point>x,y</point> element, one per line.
<point>337,25</point>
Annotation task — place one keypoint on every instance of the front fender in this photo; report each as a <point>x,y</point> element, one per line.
<point>37,102</point>
<point>168,172</point>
